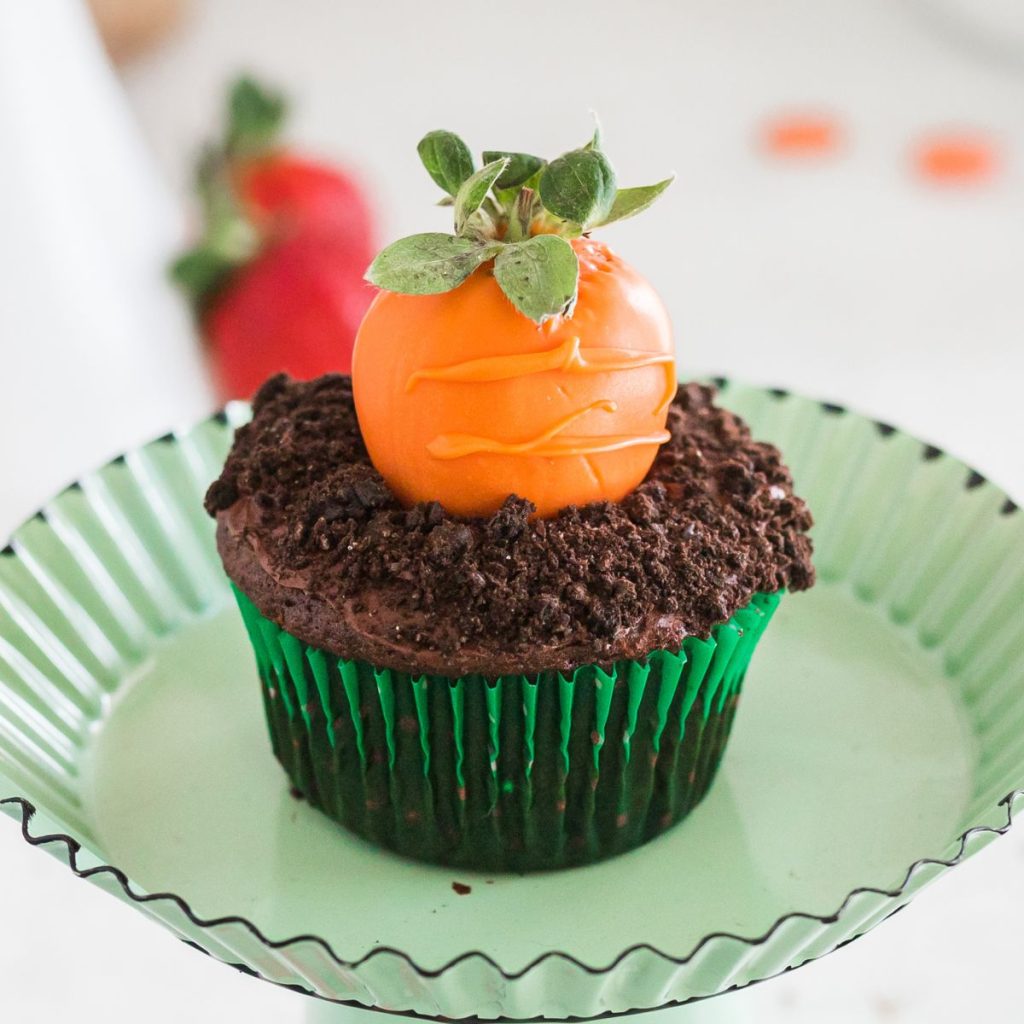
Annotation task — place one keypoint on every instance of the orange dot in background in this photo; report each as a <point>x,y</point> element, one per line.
<point>956,159</point>
<point>801,135</point>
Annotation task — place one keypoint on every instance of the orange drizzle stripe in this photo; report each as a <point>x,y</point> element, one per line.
<point>548,444</point>
<point>670,393</point>
<point>568,357</point>
<point>453,446</point>
<point>456,446</point>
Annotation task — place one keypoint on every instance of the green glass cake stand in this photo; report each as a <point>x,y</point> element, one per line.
<point>880,742</point>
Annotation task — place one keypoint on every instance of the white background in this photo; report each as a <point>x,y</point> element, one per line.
<point>844,277</point>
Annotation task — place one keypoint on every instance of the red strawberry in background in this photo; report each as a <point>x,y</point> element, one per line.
<point>276,280</point>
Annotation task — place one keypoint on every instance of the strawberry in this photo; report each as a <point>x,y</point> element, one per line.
<point>288,194</point>
<point>276,280</point>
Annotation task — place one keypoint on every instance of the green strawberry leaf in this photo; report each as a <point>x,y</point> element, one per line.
<point>447,159</point>
<point>200,273</point>
<point>539,275</point>
<point>579,187</point>
<point>521,167</point>
<point>428,264</point>
<point>595,139</point>
<point>517,210</point>
<point>473,191</point>
<point>255,116</point>
<point>631,201</point>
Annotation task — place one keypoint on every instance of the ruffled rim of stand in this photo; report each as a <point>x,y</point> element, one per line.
<point>21,807</point>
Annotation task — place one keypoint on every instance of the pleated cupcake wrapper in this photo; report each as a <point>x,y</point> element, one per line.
<point>512,774</point>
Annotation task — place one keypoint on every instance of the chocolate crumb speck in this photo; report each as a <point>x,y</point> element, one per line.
<point>461,888</point>
<point>312,533</point>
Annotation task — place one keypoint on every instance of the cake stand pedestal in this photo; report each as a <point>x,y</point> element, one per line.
<point>720,1010</point>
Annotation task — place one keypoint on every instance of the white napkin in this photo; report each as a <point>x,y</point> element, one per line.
<point>97,353</point>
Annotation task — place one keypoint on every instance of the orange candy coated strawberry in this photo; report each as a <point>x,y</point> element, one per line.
<point>518,356</point>
<point>463,400</point>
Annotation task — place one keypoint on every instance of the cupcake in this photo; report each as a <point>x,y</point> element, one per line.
<point>503,584</point>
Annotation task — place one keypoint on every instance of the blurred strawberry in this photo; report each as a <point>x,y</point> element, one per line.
<point>276,280</point>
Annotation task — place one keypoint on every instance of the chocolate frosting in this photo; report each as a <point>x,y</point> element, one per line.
<point>309,530</point>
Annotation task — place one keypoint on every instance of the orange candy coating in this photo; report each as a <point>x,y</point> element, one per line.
<point>463,400</point>
<point>956,158</point>
<point>797,135</point>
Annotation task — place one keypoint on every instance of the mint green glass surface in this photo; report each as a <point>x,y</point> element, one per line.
<point>881,739</point>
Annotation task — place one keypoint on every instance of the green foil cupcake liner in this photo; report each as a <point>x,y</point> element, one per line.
<point>517,773</point>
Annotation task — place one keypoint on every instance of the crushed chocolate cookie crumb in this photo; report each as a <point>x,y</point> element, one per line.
<point>312,533</point>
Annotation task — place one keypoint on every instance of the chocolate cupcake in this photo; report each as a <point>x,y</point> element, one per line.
<point>503,583</point>
<point>505,691</point>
